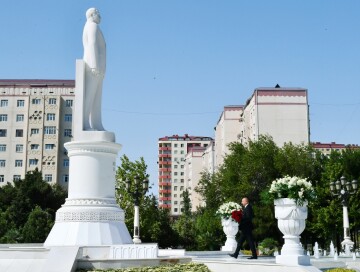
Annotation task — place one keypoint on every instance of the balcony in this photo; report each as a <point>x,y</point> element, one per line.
<point>164,148</point>
<point>164,198</point>
<point>164,191</point>
<point>164,162</point>
<point>165,169</point>
<point>162,183</point>
<point>165,206</point>
<point>164,155</point>
<point>165,177</point>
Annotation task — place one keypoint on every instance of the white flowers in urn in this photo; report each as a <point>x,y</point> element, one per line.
<point>299,189</point>
<point>231,214</point>
<point>230,210</point>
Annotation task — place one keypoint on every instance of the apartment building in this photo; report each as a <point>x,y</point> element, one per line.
<point>35,122</point>
<point>327,148</point>
<point>193,168</point>
<point>171,165</point>
<point>282,113</point>
<point>227,130</point>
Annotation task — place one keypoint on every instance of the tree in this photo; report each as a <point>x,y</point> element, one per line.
<point>37,227</point>
<point>19,200</point>
<point>154,223</point>
<point>185,224</point>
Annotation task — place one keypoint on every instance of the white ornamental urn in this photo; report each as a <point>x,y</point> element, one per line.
<point>291,222</point>
<point>230,228</point>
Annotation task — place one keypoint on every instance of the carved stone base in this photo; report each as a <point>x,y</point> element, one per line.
<point>82,222</point>
<point>90,215</point>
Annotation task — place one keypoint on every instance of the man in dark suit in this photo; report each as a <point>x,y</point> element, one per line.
<point>246,226</point>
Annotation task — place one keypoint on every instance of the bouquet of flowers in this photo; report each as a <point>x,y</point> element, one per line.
<point>292,187</point>
<point>230,210</point>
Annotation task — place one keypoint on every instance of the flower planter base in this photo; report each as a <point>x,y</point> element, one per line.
<point>293,259</point>
<point>230,228</point>
<point>291,222</point>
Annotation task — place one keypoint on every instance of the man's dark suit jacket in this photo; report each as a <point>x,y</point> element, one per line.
<point>246,220</point>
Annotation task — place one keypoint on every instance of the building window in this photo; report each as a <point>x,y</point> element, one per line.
<point>182,173</point>
<point>67,132</point>
<point>2,147</point>
<point>2,178</point>
<point>33,162</point>
<point>66,163</point>
<point>175,202</point>
<point>49,146</point>
<point>36,101</point>
<point>182,166</point>
<point>65,178</point>
<point>2,163</point>
<point>68,118</point>
<point>19,133</point>
<point>3,132</point>
<point>18,163</point>
<point>175,188</point>
<point>68,103</point>
<point>49,130</point>
<point>4,103</point>
<point>34,147</point>
<point>181,188</point>
<point>21,103</point>
<point>175,173</point>
<point>175,145</point>
<point>50,117</point>
<point>3,117</point>
<point>52,101</point>
<point>175,166</point>
<point>175,209</point>
<point>182,180</point>
<point>48,177</point>
<point>19,148</point>
<point>19,117</point>
<point>34,131</point>
<point>16,177</point>
<point>182,152</point>
<point>175,195</point>
<point>182,145</point>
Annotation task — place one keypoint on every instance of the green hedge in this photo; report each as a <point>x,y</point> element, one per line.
<point>340,270</point>
<point>190,267</point>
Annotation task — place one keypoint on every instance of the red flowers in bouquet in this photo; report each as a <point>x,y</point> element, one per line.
<point>236,215</point>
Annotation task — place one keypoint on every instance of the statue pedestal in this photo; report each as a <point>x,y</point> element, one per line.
<point>90,215</point>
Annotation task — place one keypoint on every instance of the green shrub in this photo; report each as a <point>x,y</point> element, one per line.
<point>190,267</point>
<point>268,246</point>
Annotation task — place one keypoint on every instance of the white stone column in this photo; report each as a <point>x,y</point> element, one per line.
<point>347,240</point>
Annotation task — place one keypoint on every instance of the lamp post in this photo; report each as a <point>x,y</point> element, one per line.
<point>343,189</point>
<point>138,191</point>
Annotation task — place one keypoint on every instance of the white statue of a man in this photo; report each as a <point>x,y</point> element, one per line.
<point>95,60</point>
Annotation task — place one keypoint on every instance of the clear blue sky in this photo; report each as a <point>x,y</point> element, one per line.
<point>173,65</point>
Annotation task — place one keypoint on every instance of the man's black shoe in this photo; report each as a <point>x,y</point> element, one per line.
<point>252,257</point>
<point>233,255</point>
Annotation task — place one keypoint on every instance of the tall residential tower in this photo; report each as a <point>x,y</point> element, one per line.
<point>171,164</point>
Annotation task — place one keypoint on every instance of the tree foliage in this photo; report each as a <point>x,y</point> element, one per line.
<point>24,206</point>
<point>154,223</point>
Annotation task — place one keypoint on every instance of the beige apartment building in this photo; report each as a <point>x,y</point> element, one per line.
<point>227,130</point>
<point>282,113</point>
<point>327,148</point>
<point>171,165</point>
<point>193,168</point>
<point>35,122</point>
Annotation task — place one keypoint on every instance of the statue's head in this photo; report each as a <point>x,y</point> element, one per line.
<point>93,14</point>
